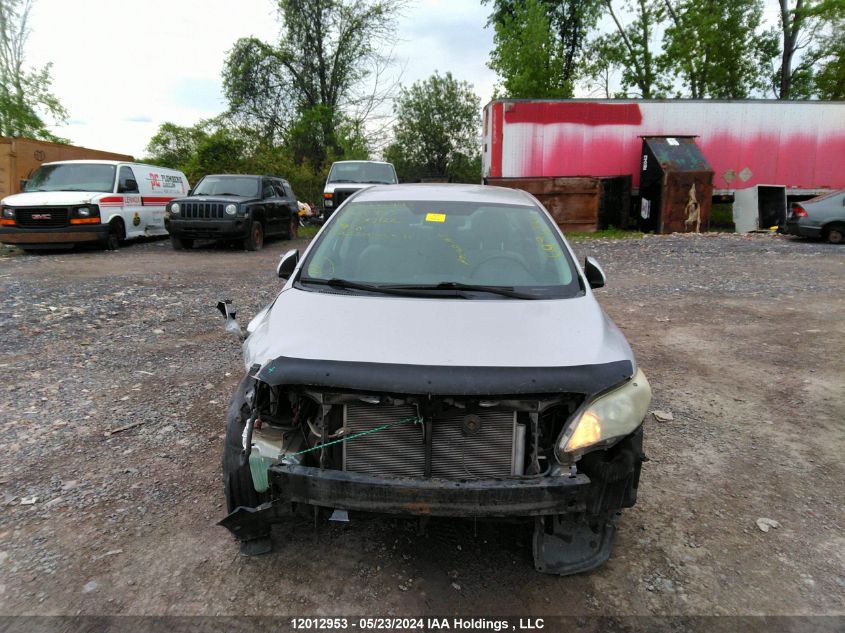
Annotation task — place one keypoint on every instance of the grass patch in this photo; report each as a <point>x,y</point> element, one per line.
<point>307,232</point>
<point>606,234</point>
<point>722,216</point>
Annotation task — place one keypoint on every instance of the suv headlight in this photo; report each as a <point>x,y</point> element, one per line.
<point>608,417</point>
<point>174,208</point>
<point>231,209</point>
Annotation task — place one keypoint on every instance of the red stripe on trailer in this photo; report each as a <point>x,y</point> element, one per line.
<point>497,134</point>
<point>544,112</point>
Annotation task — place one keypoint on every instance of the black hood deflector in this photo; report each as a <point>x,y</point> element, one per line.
<point>444,380</point>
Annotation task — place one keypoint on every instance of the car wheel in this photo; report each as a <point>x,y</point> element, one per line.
<point>255,241</point>
<point>117,233</point>
<point>180,244</point>
<point>836,234</point>
<point>237,478</point>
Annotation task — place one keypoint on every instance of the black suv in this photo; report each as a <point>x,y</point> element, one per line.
<point>233,207</point>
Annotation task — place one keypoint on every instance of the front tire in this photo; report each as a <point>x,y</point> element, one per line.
<point>117,233</point>
<point>180,244</point>
<point>255,240</point>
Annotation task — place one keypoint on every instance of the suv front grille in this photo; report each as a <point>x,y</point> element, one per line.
<point>202,210</point>
<point>45,218</point>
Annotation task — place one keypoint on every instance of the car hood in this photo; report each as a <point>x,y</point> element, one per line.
<point>447,333</point>
<point>220,199</point>
<point>347,186</point>
<point>52,198</point>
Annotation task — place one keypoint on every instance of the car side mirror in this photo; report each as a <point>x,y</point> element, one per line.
<point>595,275</point>
<point>190,192</point>
<point>287,264</point>
<point>229,313</point>
<point>23,183</point>
<point>128,186</point>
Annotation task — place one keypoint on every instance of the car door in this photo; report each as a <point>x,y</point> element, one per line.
<point>290,209</point>
<point>272,211</point>
<point>135,215</point>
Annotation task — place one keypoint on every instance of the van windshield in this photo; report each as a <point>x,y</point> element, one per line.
<point>363,172</point>
<point>72,177</point>
<point>244,186</point>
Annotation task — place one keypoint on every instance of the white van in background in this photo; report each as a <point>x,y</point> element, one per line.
<point>347,177</point>
<point>75,201</point>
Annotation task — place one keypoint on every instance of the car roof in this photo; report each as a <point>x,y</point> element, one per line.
<point>376,162</point>
<point>441,192</point>
<point>94,161</point>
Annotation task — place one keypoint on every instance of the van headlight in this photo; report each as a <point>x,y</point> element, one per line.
<point>609,417</point>
<point>83,212</point>
<point>231,209</point>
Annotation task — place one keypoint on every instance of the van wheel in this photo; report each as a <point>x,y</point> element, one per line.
<point>255,241</point>
<point>117,233</point>
<point>180,244</point>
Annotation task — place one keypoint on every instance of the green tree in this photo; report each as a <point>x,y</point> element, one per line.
<point>437,131</point>
<point>811,34</point>
<point>539,43</point>
<point>25,96</point>
<point>174,145</point>
<point>630,48</point>
<point>717,48</point>
<point>830,74</point>
<point>313,76</point>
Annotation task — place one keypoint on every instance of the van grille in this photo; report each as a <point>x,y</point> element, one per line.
<point>399,450</point>
<point>202,210</point>
<point>46,218</point>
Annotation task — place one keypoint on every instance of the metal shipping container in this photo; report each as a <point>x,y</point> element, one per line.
<point>799,144</point>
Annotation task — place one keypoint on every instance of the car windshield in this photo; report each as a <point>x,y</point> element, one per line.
<point>362,172</point>
<point>245,186</point>
<point>448,244</point>
<point>72,177</point>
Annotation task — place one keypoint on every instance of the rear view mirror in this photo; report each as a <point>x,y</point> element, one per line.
<point>287,264</point>
<point>595,275</point>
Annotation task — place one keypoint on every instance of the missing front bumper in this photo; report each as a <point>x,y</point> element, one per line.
<point>430,497</point>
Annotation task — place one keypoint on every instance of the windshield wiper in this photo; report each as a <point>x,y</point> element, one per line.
<point>345,284</point>
<point>504,291</point>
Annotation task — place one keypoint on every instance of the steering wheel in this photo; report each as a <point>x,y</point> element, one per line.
<point>513,257</point>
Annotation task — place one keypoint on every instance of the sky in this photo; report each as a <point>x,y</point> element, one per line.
<point>121,69</point>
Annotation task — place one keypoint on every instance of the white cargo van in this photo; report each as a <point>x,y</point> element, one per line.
<point>74,201</point>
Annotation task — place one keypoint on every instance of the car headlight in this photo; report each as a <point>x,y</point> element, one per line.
<point>174,208</point>
<point>610,416</point>
<point>231,209</point>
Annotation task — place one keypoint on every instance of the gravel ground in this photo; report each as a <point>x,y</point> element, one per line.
<point>741,337</point>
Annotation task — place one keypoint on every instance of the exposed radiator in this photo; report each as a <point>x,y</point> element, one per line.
<point>456,453</point>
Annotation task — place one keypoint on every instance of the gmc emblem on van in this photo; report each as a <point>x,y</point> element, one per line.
<point>41,216</point>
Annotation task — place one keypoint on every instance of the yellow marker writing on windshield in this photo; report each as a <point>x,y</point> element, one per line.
<point>435,217</point>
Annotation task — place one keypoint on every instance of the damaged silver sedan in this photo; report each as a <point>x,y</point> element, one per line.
<point>456,364</point>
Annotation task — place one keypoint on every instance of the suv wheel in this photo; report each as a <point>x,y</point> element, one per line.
<point>255,241</point>
<point>180,244</point>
